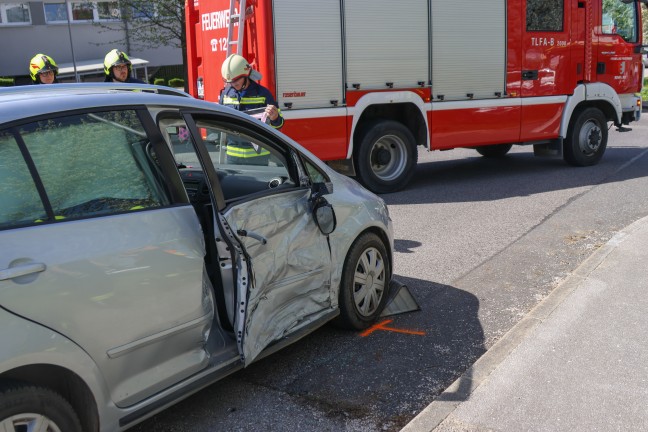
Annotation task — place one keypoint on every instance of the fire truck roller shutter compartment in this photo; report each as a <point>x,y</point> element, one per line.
<point>308,38</point>
<point>386,42</point>
<point>468,60</point>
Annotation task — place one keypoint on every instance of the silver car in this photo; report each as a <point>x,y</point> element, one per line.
<point>137,265</point>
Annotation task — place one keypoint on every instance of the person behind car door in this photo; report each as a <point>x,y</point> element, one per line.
<point>242,93</point>
<point>118,68</point>
<point>43,69</point>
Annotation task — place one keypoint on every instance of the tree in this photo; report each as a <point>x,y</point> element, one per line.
<point>644,15</point>
<point>152,24</point>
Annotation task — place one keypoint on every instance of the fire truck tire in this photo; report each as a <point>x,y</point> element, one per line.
<point>494,151</point>
<point>365,283</point>
<point>386,157</point>
<point>587,138</point>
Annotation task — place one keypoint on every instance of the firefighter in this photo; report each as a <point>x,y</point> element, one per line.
<point>43,69</point>
<point>242,93</point>
<point>118,68</point>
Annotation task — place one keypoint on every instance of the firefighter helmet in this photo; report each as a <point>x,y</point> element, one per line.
<point>234,67</point>
<point>41,63</point>
<point>116,57</point>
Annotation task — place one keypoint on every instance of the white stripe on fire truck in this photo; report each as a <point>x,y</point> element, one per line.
<point>434,106</point>
<point>494,103</point>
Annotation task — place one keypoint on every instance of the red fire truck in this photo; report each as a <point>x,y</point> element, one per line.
<point>363,83</point>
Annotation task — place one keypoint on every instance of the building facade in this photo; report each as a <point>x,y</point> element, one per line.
<point>92,30</point>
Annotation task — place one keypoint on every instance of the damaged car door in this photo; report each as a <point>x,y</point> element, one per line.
<point>269,243</point>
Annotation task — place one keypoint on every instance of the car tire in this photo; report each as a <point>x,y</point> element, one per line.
<point>386,157</point>
<point>494,151</point>
<point>24,406</point>
<point>586,138</point>
<point>365,283</point>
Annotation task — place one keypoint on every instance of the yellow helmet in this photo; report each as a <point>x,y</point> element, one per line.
<point>116,57</point>
<point>234,67</point>
<point>41,63</point>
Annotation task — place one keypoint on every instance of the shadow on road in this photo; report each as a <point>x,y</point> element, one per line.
<point>517,174</point>
<point>375,382</point>
<point>348,375</point>
<point>406,246</point>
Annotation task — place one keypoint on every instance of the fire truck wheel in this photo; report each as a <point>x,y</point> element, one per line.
<point>386,157</point>
<point>365,283</point>
<point>587,138</point>
<point>494,151</point>
<point>26,407</point>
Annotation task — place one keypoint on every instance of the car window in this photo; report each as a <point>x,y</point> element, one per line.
<point>245,165</point>
<point>20,202</point>
<point>314,173</point>
<point>95,163</point>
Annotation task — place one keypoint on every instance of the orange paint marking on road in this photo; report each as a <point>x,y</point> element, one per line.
<point>383,326</point>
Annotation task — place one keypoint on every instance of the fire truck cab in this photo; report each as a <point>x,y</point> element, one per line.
<point>363,83</point>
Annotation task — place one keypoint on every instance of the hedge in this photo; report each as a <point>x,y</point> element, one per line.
<point>7,82</point>
<point>176,82</point>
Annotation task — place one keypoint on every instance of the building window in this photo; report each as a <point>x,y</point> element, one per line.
<point>14,13</point>
<point>143,10</point>
<point>108,11</point>
<point>82,11</point>
<point>545,15</point>
<point>55,12</point>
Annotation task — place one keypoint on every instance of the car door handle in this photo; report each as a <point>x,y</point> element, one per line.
<point>253,235</point>
<point>21,270</point>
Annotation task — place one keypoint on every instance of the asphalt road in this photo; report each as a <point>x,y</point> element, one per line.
<point>479,242</point>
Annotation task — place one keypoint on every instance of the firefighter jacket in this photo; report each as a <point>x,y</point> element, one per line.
<point>252,97</point>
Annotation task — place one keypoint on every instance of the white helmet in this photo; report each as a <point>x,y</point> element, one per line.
<point>234,67</point>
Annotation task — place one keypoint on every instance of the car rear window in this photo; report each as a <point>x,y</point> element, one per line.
<point>89,164</point>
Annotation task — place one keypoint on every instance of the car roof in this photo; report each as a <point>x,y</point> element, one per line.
<point>20,102</point>
<point>100,87</point>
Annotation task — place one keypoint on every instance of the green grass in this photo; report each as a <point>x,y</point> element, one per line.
<point>644,91</point>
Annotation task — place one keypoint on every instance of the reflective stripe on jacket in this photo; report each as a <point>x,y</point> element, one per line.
<point>245,151</point>
<point>252,97</point>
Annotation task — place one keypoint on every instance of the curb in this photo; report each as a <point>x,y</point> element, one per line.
<point>437,411</point>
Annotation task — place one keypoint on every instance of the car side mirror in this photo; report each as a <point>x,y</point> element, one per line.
<point>324,216</point>
<point>322,211</point>
<point>322,188</point>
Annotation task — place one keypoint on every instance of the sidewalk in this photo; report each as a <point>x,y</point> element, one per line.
<point>577,362</point>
